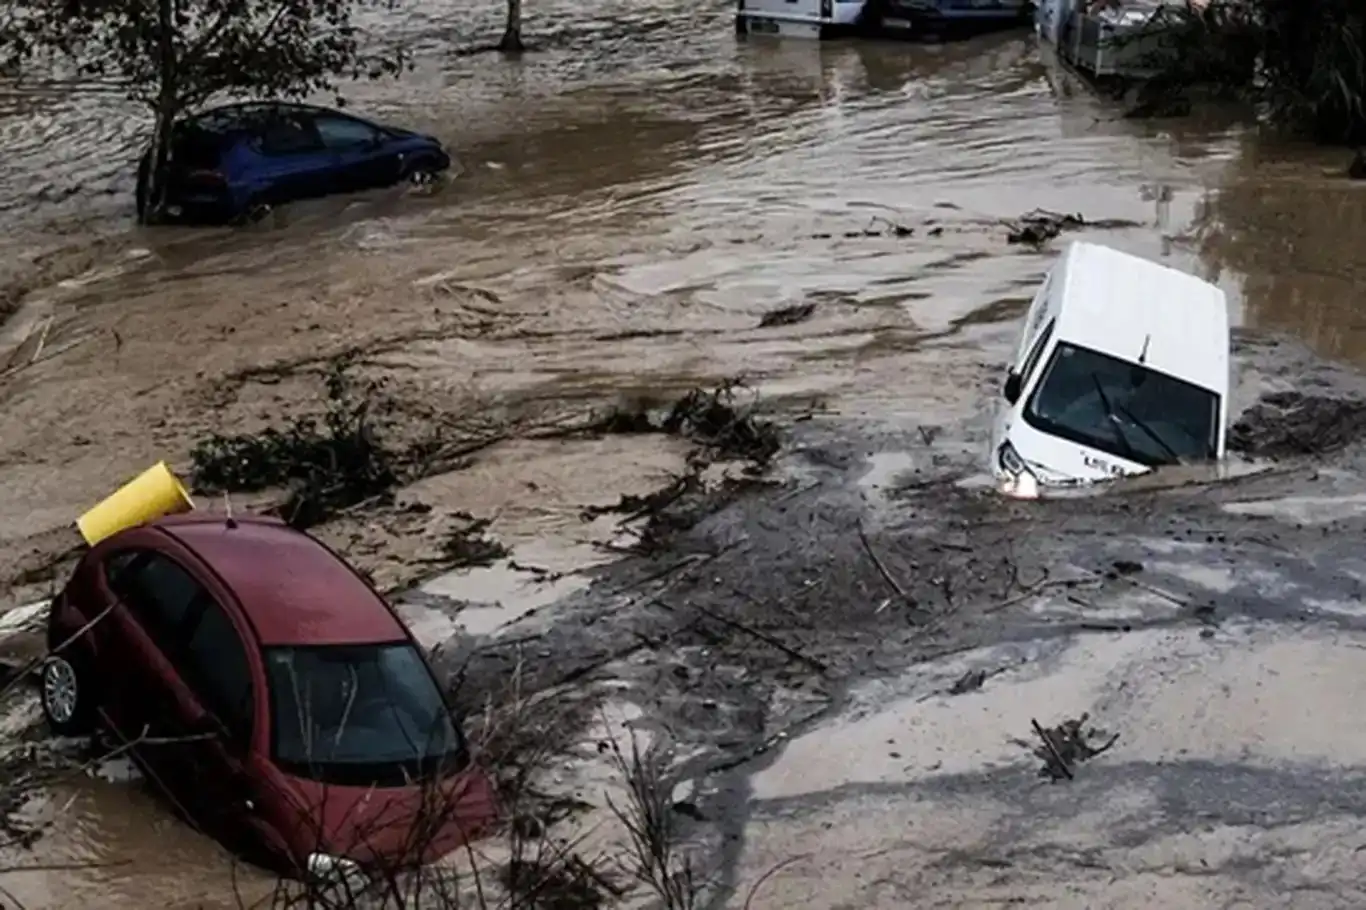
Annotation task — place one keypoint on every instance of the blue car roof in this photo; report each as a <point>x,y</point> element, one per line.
<point>231,117</point>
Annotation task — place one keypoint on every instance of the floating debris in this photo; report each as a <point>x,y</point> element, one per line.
<point>788,315</point>
<point>327,464</point>
<point>970,681</point>
<point>714,419</point>
<point>1040,226</point>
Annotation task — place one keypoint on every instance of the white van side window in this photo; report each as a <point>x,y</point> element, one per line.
<point>1042,302</point>
<point>1038,311</point>
<point>1032,360</point>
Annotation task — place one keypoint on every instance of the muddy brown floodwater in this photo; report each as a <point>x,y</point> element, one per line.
<point>634,198</point>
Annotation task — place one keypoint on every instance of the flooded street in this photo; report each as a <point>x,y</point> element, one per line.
<point>634,198</point>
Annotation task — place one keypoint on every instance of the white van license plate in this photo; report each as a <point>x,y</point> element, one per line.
<point>764,26</point>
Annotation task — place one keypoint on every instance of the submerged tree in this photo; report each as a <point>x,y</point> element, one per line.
<point>1305,59</point>
<point>177,55</point>
<point>512,32</point>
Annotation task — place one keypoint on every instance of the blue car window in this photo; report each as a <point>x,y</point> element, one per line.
<point>288,134</point>
<point>344,132</point>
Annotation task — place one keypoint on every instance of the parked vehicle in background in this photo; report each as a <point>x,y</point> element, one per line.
<point>227,162</point>
<point>1123,366</point>
<point>1123,39</point>
<point>799,19</point>
<point>247,654</point>
<point>877,18</point>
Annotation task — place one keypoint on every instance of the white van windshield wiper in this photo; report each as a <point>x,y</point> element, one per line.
<point>1114,420</point>
<point>1150,433</point>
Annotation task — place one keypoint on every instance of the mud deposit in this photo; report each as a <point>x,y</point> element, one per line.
<point>831,642</point>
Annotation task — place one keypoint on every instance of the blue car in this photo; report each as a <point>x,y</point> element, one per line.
<point>229,162</point>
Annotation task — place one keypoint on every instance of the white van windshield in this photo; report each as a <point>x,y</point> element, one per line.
<point>1124,409</point>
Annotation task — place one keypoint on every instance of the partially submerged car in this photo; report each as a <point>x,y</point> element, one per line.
<point>877,18</point>
<point>268,690</point>
<point>1123,367</point>
<point>229,161</point>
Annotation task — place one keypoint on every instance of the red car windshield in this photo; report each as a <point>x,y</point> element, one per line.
<point>359,715</point>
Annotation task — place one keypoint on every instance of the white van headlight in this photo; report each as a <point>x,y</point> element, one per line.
<point>1020,482</point>
<point>1010,460</point>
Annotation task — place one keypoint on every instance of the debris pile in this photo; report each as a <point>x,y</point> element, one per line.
<point>723,431</point>
<point>327,464</point>
<point>788,315</point>
<point>715,420</point>
<point>1063,747</point>
<point>569,884</point>
<point>334,462</point>
<point>878,226</point>
<point>467,546</point>
<point>1038,227</point>
<point>1286,424</point>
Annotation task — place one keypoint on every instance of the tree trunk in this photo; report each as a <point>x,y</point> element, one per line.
<point>512,33</point>
<point>152,188</point>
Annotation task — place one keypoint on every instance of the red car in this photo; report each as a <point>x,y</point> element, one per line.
<point>269,691</point>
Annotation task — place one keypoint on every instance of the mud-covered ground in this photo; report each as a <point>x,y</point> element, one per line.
<point>847,665</point>
<point>840,658</point>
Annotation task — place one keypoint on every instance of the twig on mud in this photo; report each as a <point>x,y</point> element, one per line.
<point>42,339</point>
<point>448,456</point>
<point>766,744</point>
<point>579,673</point>
<point>647,816</point>
<point>1032,591</point>
<point>8,895</point>
<point>882,570</point>
<point>127,746</point>
<point>1142,585</point>
<point>769,606</point>
<point>798,490</point>
<point>65,867</point>
<point>144,739</point>
<point>819,666</point>
<point>687,562</point>
<point>754,888</point>
<point>1058,762</point>
<point>362,506</point>
<point>1066,745</point>
<point>632,507</point>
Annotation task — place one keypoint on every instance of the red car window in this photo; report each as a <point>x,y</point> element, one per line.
<point>215,666</point>
<point>158,592</point>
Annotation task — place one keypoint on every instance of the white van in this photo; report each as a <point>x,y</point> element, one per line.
<point>797,18</point>
<point>1123,366</point>
<point>885,18</point>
